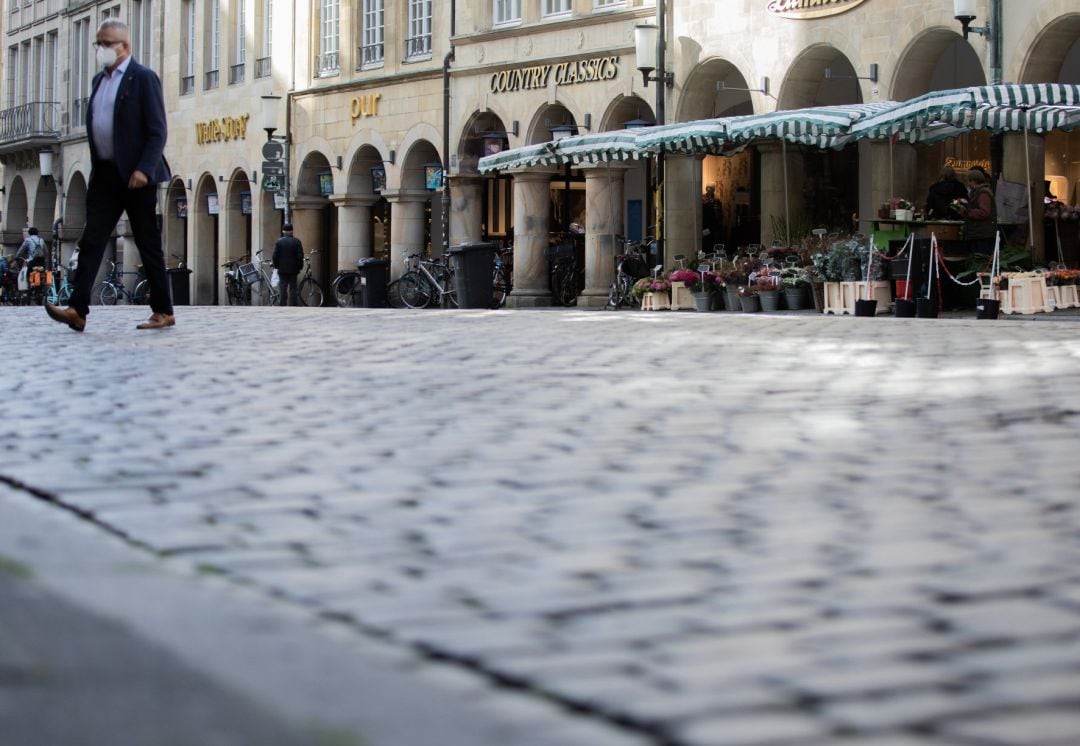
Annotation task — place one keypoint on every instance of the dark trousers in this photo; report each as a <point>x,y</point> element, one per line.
<point>287,288</point>
<point>107,197</point>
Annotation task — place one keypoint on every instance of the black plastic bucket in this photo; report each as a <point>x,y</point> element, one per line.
<point>926,308</point>
<point>866,308</point>
<point>904,309</point>
<point>985,308</point>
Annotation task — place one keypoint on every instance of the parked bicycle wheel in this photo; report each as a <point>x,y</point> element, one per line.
<point>141,295</point>
<point>107,294</point>
<point>259,294</point>
<point>64,296</point>
<point>393,295</point>
<point>500,288</point>
<point>346,289</point>
<point>415,291</point>
<point>311,293</point>
<point>566,288</point>
<point>446,279</point>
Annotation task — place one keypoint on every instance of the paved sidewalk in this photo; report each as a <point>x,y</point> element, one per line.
<point>684,529</point>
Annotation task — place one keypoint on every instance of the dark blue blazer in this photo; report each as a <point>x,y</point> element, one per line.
<point>139,128</point>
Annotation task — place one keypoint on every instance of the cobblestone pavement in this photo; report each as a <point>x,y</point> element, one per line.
<point>696,529</point>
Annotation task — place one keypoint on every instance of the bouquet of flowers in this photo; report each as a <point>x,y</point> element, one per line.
<point>651,285</point>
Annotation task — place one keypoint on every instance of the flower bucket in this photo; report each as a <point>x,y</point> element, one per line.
<point>903,308</point>
<point>985,308</point>
<point>750,303</point>
<point>926,308</point>
<point>702,302</point>
<point>731,297</point>
<point>796,298</point>
<point>866,307</point>
<point>770,300</point>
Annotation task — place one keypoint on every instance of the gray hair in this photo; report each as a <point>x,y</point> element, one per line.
<point>114,23</point>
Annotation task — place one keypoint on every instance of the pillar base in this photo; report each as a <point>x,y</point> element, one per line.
<point>528,299</point>
<point>592,299</point>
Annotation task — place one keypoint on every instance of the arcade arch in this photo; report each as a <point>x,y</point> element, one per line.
<point>206,254</point>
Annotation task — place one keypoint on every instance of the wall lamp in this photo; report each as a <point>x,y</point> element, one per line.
<point>646,36</point>
<point>763,87</point>
<point>495,133</point>
<point>559,131</point>
<point>872,77</point>
<point>392,158</point>
<point>964,11</point>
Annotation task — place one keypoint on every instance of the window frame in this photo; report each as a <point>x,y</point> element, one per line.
<point>513,17</point>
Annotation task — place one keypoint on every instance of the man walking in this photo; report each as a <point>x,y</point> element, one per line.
<point>126,123</point>
<point>288,261</point>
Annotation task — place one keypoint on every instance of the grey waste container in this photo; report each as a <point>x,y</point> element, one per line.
<point>180,285</point>
<point>373,282</point>
<point>474,268</point>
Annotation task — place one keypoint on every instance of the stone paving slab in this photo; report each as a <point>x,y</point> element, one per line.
<point>707,528</point>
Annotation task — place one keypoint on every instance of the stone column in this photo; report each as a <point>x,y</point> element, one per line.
<point>603,222</point>
<point>354,229</point>
<point>307,219</point>
<point>532,205</point>
<point>406,226</point>
<point>1014,167</point>
<point>879,182</point>
<point>466,209</point>
<point>682,212</point>
<point>772,188</point>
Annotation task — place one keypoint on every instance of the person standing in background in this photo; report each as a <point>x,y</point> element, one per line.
<point>288,260</point>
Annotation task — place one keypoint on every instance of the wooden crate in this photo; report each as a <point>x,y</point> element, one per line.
<point>655,302</point>
<point>840,297</point>
<point>681,297</point>
<point>1026,295</point>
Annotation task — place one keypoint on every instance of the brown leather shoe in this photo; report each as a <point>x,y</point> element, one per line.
<point>67,316</point>
<point>158,321</point>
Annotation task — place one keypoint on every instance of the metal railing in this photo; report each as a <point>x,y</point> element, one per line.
<point>236,74</point>
<point>262,67</point>
<point>37,119</point>
<point>370,54</point>
<point>417,46</point>
<point>210,80</point>
<point>187,85</point>
<point>327,63</point>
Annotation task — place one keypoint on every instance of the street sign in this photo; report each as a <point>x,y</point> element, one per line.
<point>271,183</point>
<point>273,150</point>
<point>273,167</point>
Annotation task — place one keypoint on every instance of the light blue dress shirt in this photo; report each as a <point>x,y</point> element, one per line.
<point>104,106</point>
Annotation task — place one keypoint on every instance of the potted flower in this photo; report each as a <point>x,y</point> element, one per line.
<point>653,292</point>
<point>748,298</point>
<point>796,284</point>
<point>732,280</point>
<point>768,292</point>
<point>701,284</point>
<point>902,208</point>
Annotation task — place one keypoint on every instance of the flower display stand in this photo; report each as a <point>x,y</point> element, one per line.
<point>681,297</point>
<point>1026,294</point>
<point>1062,296</point>
<point>840,297</point>
<point>655,302</point>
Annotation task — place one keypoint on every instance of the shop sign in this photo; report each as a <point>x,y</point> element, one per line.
<point>803,9</point>
<point>364,106</point>
<point>218,130</point>
<point>564,73</point>
<point>966,165</point>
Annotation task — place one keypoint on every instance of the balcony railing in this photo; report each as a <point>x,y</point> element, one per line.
<point>28,121</point>
<point>236,74</point>
<point>210,80</point>
<point>327,64</point>
<point>418,46</point>
<point>370,54</point>
<point>262,67</point>
<point>78,111</point>
<point>187,85</point>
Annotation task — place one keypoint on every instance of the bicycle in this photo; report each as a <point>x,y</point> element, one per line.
<point>347,288</point>
<point>502,279</point>
<point>112,288</point>
<point>426,281</point>
<point>567,279</point>
<point>630,266</point>
<point>258,280</point>
<point>60,296</point>
<point>311,293</point>
<point>237,289</point>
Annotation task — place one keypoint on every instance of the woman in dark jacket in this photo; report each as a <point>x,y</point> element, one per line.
<point>979,214</point>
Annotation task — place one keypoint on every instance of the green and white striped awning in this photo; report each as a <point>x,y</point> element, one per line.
<point>701,136</point>
<point>542,154</point>
<point>821,126</point>
<point>1038,119</point>
<point>592,147</point>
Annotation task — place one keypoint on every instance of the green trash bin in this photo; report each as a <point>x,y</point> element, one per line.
<point>474,271</point>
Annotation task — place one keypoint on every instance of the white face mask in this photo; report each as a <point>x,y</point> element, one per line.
<point>106,56</point>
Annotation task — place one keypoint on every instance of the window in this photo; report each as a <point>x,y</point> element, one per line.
<point>605,4</point>
<point>113,12</point>
<point>556,7</point>
<point>507,11</point>
<point>371,53</point>
<point>80,71</point>
<point>52,47</point>
<point>24,77</point>
<point>12,74</point>
<point>213,42</point>
<point>141,26</point>
<point>328,37</point>
<point>264,43</point>
<point>37,67</point>
<point>236,70</point>
<point>419,42</point>
<point>187,47</point>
